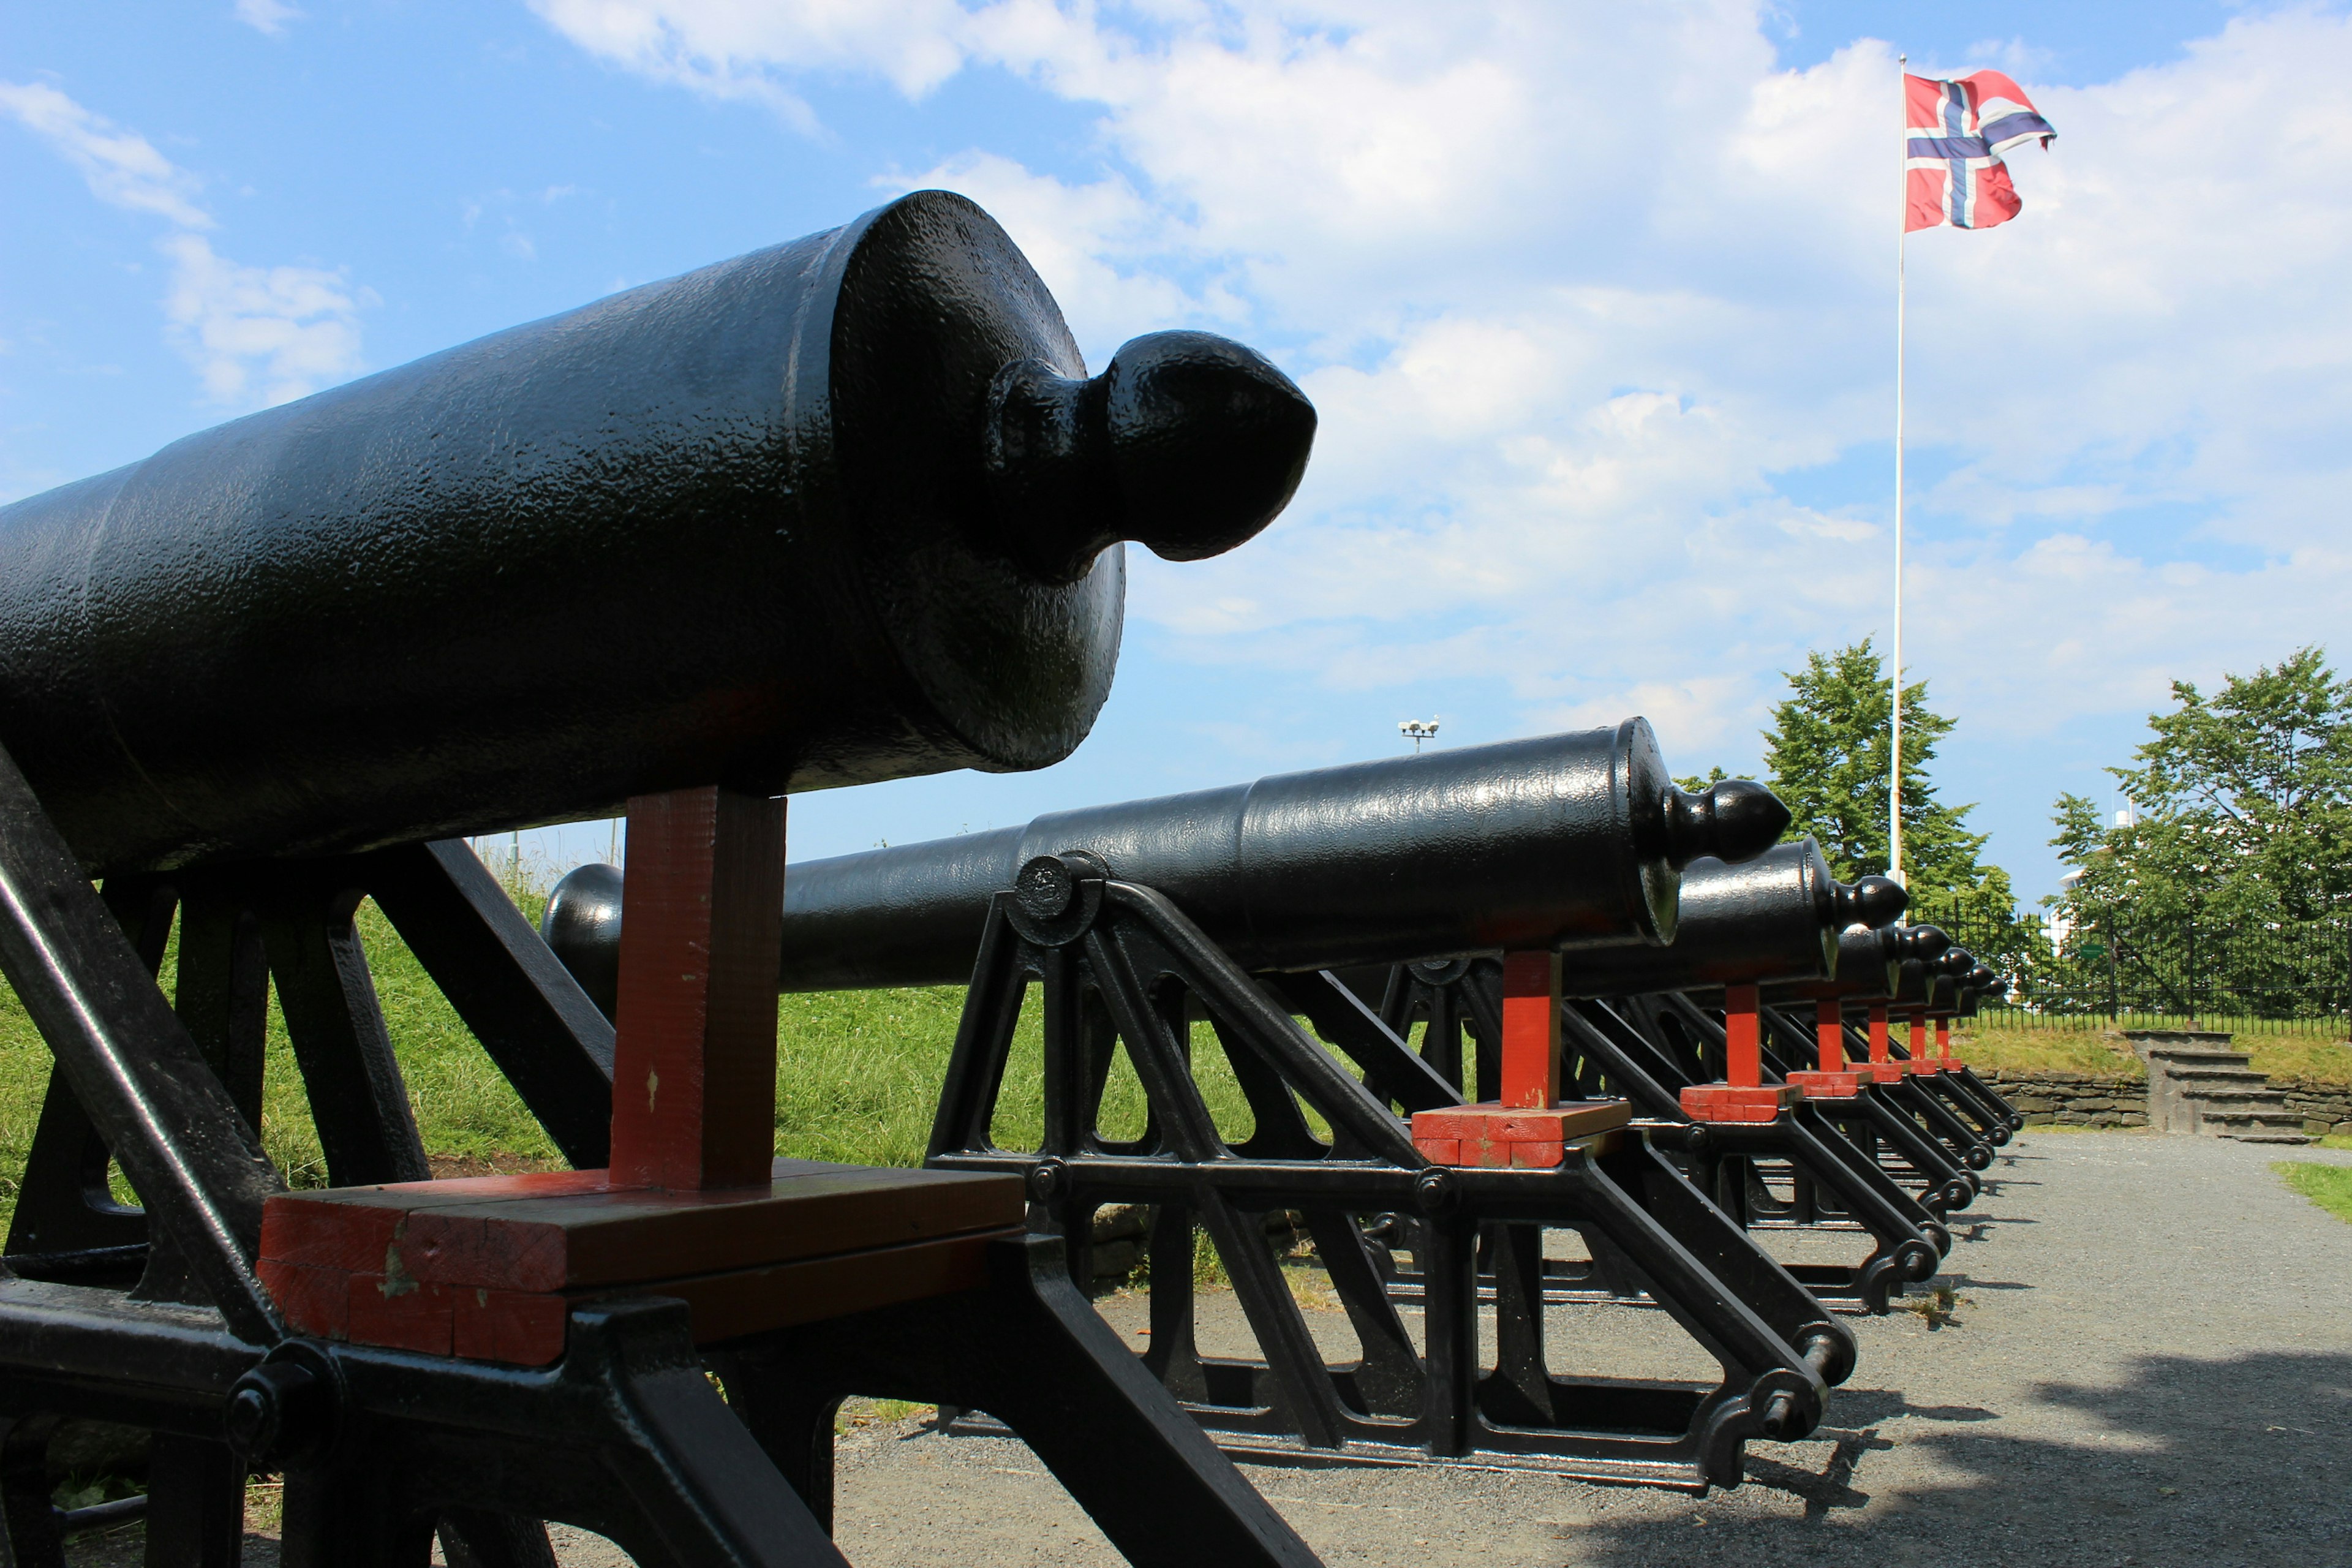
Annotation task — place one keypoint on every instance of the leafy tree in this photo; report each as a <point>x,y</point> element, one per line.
<point>1827,752</point>
<point>2244,806</point>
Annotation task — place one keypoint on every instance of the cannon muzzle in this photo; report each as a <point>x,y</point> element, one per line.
<point>1567,842</point>
<point>1869,965</point>
<point>840,510</point>
<point>1777,918</point>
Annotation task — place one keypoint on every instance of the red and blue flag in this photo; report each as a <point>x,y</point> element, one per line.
<point>1954,134</point>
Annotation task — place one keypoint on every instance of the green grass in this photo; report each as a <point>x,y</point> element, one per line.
<point>2043,1050</point>
<point>858,1077</point>
<point>466,1111</point>
<point>2320,1053</point>
<point>2329,1186</point>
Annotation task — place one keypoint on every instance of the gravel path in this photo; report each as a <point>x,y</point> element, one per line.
<point>2150,1362</point>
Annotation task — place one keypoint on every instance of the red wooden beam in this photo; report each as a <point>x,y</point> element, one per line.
<point>1530,1030</point>
<point>694,1053</point>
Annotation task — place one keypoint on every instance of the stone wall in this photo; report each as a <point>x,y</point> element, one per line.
<point>2324,1106</point>
<point>2053,1096</point>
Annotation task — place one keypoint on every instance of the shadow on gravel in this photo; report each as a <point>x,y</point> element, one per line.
<point>2187,1464</point>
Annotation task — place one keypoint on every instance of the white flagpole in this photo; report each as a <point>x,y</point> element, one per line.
<point>1902,227</point>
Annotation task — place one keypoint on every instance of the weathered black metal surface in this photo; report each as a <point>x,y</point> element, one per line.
<point>831,512</point>
<point>1568,841</point>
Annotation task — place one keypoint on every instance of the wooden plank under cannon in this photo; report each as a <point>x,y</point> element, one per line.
<point>487,1268</point>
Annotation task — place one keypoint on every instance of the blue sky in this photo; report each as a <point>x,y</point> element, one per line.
<point>1596,301</point>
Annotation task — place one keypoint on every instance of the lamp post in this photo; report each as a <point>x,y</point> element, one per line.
<point>1417,730</point>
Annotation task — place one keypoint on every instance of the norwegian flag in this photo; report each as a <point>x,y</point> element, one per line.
<point>1955,133</point>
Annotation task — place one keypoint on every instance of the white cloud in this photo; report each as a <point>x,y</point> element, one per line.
<point>260,334</point>
<point>268,16</point>
<point>122,167</point>
<point>255,335</point>
<point>1582,292</point>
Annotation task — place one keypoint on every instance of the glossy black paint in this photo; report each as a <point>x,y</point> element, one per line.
<point>1567,841</point>
<point>1775,918</point>
<point>831,512</point>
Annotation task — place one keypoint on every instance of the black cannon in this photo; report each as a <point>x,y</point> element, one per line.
<point>843,509</point>
<point>1158,931</point>
<point>1564,842</point>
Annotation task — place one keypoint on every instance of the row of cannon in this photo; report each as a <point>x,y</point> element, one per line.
<point>1733,1042</point>
<point>1519,1029</point>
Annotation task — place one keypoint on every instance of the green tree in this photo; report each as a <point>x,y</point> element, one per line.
<point>2244,805</point>
<point>1826,753</point>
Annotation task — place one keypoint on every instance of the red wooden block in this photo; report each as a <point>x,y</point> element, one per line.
<point>1534,1154</point>
<point>1451,1122</point>
<point>1830,1085</point>
<point>728,1306</point>
<point>1737,1102</point>
<point>694,1053</point>
<point>1829,1034</point>
<point>1486,1135</point>
<point>1743,1037</point>
<point>400,1315</point>
<point>509,1326</point>
<point>316,1302</point>
<point>1530,1048</point>
<point>1878,1031</point>
<point>469,1246</point>
<point>1880,1072</point>
<point>349,1237</point>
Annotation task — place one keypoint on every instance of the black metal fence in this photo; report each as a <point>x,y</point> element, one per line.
<point>2154,974</point>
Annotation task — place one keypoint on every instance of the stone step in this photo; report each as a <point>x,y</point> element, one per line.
<point>2238,1125</point>
<point>2198,1055</point>
<point>2279,1138</point>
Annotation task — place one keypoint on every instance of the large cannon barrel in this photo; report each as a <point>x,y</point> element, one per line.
<point>840,510</point>
<point>1566,841</point>
<point>1929,983</point>
<point>1869,965</point>
<point>1775,918</point>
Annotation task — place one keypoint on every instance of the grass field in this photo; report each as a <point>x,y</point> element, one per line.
<point>859,1075</point>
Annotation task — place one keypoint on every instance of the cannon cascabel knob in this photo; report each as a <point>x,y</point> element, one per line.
<point>1956,962</point>
<point>1980,978</point>
<point>1925,943</point>
<point>1873,902</point>
<point>1733,820</point>
<point>582,925</point>
<point>1188,443</point>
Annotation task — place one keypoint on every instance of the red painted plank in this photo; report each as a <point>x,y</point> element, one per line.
<point>1743,1038</point>
<point>694,1070</point>
<point>1829,1034</point>
<point>1530,1029</point>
